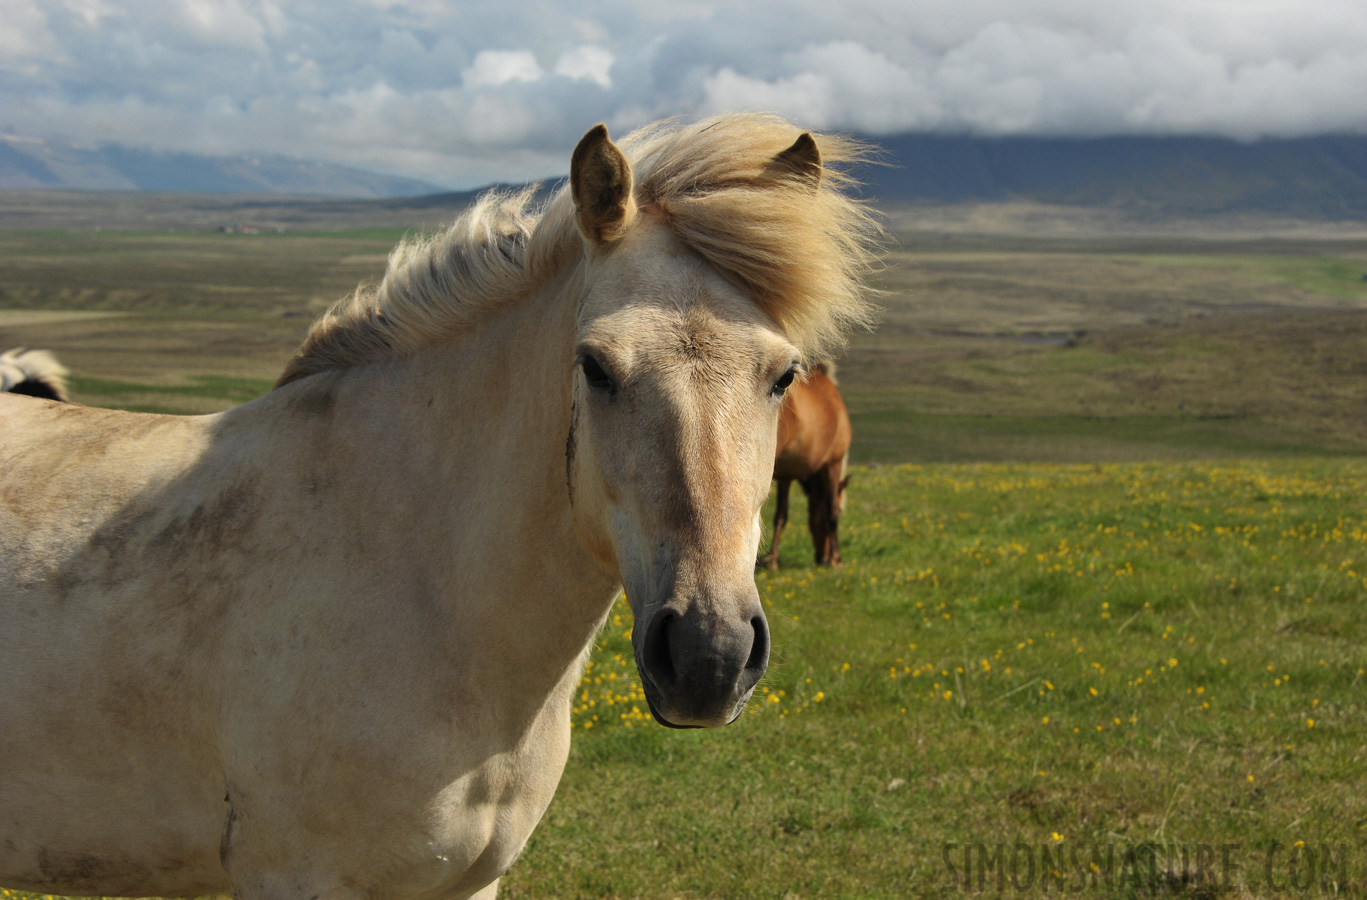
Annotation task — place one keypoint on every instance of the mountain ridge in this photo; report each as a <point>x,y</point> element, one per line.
<point>1323,177</point>
<point>1316,177</point>
<point>31,163</point>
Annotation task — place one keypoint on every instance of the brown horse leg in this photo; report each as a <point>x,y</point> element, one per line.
<point>838,486</point>
<point>823,513</point>
<point>819,503</point>
<point>780,519</point>
<point>834,543</point>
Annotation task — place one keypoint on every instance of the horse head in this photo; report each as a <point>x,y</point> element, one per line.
<point>679,379</point>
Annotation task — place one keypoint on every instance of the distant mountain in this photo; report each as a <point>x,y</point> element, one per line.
<point>1319,177</point>
<point>1315,177</point>
<point>32,163</point>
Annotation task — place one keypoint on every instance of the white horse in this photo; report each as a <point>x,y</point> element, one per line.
<point>33,373</point>
<point>325,645</point>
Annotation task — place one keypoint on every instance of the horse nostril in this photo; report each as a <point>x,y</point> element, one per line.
<point>759,650</point>
<point>759,655</point>
<point>659,662</point>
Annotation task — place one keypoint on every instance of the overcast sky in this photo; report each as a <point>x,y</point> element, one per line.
<point>461,93</point>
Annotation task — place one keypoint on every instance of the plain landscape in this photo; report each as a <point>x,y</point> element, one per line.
<point>1106,550</point>
<point>1008,332</point>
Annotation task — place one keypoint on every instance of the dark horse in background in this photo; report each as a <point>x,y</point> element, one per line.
<point>33,373</point>
<point>813,446</point>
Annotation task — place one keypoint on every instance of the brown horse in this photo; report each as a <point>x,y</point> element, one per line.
<point>813,445</point>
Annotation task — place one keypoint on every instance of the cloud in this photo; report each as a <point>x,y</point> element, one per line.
<point>586,63</point>
<point>492,68</point>
<point>839,85</point>
<point>466,93</point>
<point>227,24</point>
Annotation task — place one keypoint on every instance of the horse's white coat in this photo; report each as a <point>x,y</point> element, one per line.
<point>326,644</point>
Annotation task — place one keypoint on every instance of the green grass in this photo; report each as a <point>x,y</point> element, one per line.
<point>1092,657</point>
<point>1222,384</point>
<point>892,435</point>
<point>187,273</point>
<point>218,389</point>
<point>1327,275</point>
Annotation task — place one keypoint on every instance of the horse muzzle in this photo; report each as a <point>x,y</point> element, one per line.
<point>699,669</point>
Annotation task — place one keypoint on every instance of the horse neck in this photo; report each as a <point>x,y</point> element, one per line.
<point>478,470</point>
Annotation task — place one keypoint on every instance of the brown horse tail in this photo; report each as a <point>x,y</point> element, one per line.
<point>825,367</point>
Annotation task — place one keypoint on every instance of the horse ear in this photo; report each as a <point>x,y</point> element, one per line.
<point>600,183</point>
<point>801,162</point>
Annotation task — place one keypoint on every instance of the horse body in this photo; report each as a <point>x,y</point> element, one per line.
<point>202,693</point>
<point>326,644</point>
<point>813,445</point>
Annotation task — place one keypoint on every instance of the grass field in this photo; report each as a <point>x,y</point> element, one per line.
<point>1107,565</point>
<point>1079,659</point>
<point>991,348</point>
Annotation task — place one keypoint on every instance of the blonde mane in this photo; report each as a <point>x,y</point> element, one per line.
<point>19,365</point>
<point>800,253</point>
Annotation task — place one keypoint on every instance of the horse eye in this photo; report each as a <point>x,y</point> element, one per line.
<point>594,374</point>
<point>784,381</point>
